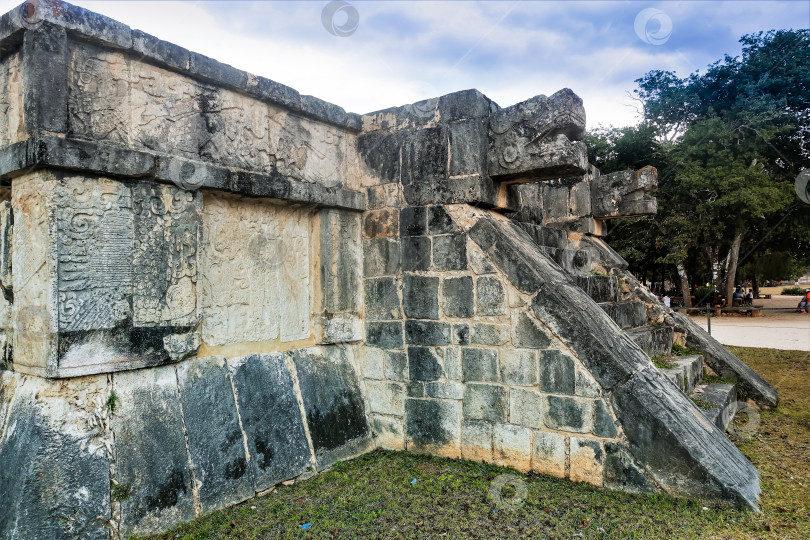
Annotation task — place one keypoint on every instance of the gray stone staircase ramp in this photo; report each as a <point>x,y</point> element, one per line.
<point>725,364</point>
<point>667,434</point>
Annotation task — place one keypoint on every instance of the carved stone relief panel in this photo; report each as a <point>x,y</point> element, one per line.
<point>116,99</point>
<point>167,229</point>
<point>98,97</point>
<point>94,224</point>
<point>256,272</point>
<point>11,109</point>
<point>105,269</point>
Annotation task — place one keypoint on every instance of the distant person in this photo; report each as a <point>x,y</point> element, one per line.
<point>750,297</point>
<point>667,300</point>
<point>805,302</point>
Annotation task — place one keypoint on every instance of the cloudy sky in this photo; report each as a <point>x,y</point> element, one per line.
<point>368,55</point>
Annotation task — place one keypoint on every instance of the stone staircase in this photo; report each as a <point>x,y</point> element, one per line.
<point>717,401</point>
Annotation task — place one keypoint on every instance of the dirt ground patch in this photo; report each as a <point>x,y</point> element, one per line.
<point>401,495</point>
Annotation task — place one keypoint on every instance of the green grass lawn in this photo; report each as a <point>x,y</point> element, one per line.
<point>375,496</point>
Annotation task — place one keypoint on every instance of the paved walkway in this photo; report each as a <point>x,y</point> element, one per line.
<point>776,330</point>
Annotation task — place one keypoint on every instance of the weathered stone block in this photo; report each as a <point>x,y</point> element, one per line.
<point>490,296</point>
<point>479,365</point>
<point>381,257</point>
<point>557,372</point>
<point>622,472</point>
<point>54,460</point>
<point>476,440</point>
<point>512,447</point>
<point>433,425</point>
<point>270,417</point>
<point>527,333</point>
<point>416,253</point>
<point>450,252</point>
<point>373,363</point>
<point>424,363</point>
<point>341,328</point>
<point>381,223</point>
<point>568,414</point>
<point>490,334</point>
<point>587,461</point>
<point>479,263</point>
<point>427,333</point>
<point>461,334</point>
<point>526,408</point>
<point>341,260</point>
<point>420,297</point>
<point>586,385</point>
<point>457,297</point>
<point>396,366</point>
<point>255,257</point>
<point>549,453</point>
<point>382,299</point>
<point>485,402</point>
<point>413,221</point>
<point>416,389</point>
<point>440,222</point>
<point>215,440</point>
<point>150,448</point>
<point>387,335</point>
<point>384,196</point>
<point>445,390</point>
<point>390,432</point>
<point>518,367</point>
<point>386,397</point>
<point>603,423</point>
<point>452,363</point>
<point>333,403</point>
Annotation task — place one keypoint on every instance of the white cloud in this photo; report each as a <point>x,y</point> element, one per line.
<point>406,51</point>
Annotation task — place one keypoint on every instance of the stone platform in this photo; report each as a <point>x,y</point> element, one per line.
<point>212,284</point>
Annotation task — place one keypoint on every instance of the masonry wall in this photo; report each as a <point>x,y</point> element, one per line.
<point>457,365</point>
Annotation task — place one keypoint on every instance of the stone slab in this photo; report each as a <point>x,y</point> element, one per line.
<point>333,403</point>
<point>271,418</point>
<point>215,440</point>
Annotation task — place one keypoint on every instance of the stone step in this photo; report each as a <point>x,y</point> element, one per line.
<point>686,372</point>
<point>546,236</point>
<point>626,314</point>
<point>654,340</point>
<point>600,288</point>
<point>718,402</point>
<point>676,375</point>
<point>692,370</point>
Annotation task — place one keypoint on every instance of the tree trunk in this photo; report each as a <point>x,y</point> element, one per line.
<point>714,264</point>
<point>756,281</point>
<point>731,265</point>
<point>686,290</point>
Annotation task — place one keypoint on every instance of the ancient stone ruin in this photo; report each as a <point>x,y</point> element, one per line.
<point>212,284</point>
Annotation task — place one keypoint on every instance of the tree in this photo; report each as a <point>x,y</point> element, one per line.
<point>728,144</point>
